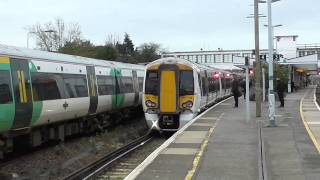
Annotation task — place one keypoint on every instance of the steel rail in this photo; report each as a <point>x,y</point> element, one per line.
<point>98,166</point>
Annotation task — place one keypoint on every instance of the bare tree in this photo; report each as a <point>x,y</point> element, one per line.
<point>148,52</point>
<point>52,36</point>
<point>112,40</point>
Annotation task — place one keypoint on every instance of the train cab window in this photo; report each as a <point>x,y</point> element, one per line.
<point>45,86</point>
<point>5,87</point>
<point>76,85</point>
<point>127,85</point>
<point>106,85</point>
<point>186,84</point>
<point>152,82</point>
<point>140,81</point>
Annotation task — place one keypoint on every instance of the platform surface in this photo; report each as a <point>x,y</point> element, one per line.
<point>222,145</point>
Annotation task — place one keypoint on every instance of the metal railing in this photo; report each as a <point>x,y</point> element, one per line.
<point>308,46</point>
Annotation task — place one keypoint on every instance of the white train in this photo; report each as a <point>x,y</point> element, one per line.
<point>177,90</point>
<point>47,95</point>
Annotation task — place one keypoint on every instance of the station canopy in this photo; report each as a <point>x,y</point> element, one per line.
<point>308,64</point>
<point>225,66</point>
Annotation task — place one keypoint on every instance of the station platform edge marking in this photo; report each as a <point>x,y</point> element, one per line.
<point>134,174</point>
<point>310,133</point>
<point>199,154</point>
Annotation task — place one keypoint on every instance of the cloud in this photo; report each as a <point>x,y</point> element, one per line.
<point>177,24</point>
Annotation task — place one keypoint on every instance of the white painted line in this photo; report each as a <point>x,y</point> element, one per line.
<point>155,153</point>
<point>313,122</point>
<point>180,151</point>
<point>191,137</point>
<point>224,104</point>
<point>213,118</point>
<point>202,124</point>
<point>315,100</point>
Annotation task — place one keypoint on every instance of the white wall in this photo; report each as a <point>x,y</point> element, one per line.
<point>287,46</point>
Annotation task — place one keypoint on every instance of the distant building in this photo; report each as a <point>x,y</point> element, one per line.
<point>285,45</point>
<point>308,49</point>
<point>208,57</point>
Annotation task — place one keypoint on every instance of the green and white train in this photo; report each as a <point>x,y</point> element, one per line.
<point>45,95</point>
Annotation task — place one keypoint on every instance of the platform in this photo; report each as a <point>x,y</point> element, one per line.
<point>219,144</point>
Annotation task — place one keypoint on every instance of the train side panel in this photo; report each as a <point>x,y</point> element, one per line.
<point>7,105</point>
<point>60,92</point>
<point>126,88</point>
<point>140,74</point>
<point>106,88</point>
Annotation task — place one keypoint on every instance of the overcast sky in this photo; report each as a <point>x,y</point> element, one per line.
<point>178,25</point>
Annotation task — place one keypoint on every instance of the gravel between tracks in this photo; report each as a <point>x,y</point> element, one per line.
<point>58,161</point>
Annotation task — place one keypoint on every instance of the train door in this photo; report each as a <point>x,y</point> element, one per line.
<point>91,76</point>
<point>135,88</point>
<point>169,91</point>
<point>22,93</point>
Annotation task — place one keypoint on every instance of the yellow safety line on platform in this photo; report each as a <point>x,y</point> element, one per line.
<point>198,156</point>
<point>311,135</point>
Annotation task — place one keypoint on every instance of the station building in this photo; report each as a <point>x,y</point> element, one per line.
<point>285,45</point>
<point>303,60</point>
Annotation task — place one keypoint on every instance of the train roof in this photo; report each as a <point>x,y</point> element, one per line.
<point>63,58</point>
<point>183,61</point>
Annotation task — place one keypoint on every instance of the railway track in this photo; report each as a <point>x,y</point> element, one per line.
<point>115,165</point>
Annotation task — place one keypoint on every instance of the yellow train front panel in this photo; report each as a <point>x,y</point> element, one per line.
<point>168,92</point>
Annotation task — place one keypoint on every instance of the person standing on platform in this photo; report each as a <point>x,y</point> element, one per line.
<point>235,90</point>
<point>293,88</point>
<point>243,86</point>
<point>280,90</point>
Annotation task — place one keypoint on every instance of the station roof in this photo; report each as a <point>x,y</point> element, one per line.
<point>225,66</point>
<point>307,63</point>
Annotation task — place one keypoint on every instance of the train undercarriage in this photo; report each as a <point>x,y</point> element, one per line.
<point>34,137</point>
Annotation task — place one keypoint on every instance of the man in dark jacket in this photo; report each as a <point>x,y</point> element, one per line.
<point>280,90</point>
<point>235,91</point>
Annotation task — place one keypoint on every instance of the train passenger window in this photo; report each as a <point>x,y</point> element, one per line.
<point>76,85</point>
<point>223,83</point>
<point>5,87</point>
<point>140,80</point>
<point>200,83</point>
<point>204,87</point>
<point>186,84</point>
<point>216,85</point>
<point>45,86</point>
<point>210,81</point>
<point>106,85</point>
<point>127,85</point>
<point>152,82</point>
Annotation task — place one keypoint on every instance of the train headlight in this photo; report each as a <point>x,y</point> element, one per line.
<point>150,104</point>
<point>187,104</point>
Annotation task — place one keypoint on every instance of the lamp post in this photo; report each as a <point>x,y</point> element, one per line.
<point>258,66</point>
<point>271,98</point>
